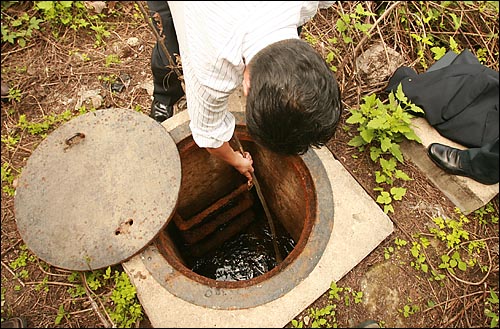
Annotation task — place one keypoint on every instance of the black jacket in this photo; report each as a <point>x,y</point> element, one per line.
<point>458,95</point>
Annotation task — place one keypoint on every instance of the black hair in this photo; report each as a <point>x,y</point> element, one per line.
<point>294,100</point>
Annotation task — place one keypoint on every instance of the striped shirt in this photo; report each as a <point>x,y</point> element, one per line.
<point>216,39</point>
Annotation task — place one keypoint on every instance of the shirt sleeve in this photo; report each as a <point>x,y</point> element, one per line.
<point>325,4</point>
<point>212,67</point>
<point>309,9</point>
<point>207,93</point>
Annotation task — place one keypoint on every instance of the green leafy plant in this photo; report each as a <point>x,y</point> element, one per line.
<point>408,310</point>
<point>42,128</point>
<point>112,59</point>
<point>330,47</point>
<point>461,253</point>
<point>450,263</point>
<point>8,179</point>
<point>126,309</point>
<point>10,141</point>
<point>399,243</point>
<point>23,258</point>
<point>18,29</point>
<point>61,314</point>
<point>383,127</point>
<point>100,34</point>
<point>320,316</point>
<point>72,14</point>
<point>334,292</point>
<point>82,56</point>
<point>63,12</point>
<point>348,24</point>
<point>490,305</point>
<point>420,259</point>
<point>15,94</point>
<point>486,212</point>
<point>356,295</point>
<point>388,252</point>
<point>43,285</point>
<point>109,79</point>
<point>450,230</point>
<point>75,15</point>
<point>297,324</point>
<point>326,316</point>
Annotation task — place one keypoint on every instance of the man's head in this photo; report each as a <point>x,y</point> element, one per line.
<point>293,99</point>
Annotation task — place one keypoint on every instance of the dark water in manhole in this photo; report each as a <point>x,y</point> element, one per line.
<point>246,255</point>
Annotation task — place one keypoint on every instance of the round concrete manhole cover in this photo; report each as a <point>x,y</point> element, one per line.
<point>98,189</point>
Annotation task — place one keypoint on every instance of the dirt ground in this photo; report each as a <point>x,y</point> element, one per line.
<point>61,69</point>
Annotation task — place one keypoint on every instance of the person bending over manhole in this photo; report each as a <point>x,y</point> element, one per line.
<point>293,98</point>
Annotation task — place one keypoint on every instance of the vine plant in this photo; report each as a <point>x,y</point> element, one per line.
<point>457,254</point>
<point>325,317</point>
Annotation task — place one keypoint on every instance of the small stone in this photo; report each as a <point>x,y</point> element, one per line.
<point>133,42</point>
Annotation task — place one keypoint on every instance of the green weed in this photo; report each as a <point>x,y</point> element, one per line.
<point>382,127</point>
<point>8,179</point>
<point>491,309</point>
<point>42,128</point>
<point>126,309</point>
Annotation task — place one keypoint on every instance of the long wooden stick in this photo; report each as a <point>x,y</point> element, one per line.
<point>160,39</point>
<point>264,205</point>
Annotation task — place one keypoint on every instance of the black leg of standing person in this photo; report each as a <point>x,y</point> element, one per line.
<point>484,162</point>
<point>167,86</point>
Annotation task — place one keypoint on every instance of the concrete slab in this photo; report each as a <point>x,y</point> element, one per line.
<point>467,194</point>
<point>359,227</point>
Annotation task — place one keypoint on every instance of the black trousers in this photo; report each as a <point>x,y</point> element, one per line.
<point>484,161</point>
<point>167,86</point>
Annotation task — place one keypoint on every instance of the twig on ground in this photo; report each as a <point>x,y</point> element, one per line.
<point>55,283</point>
<point>93,303</point>
<point>11,247</point>
<point>13,274</point>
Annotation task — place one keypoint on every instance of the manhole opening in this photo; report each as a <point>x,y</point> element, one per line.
<point>219,230</point>
<point>233,242</point>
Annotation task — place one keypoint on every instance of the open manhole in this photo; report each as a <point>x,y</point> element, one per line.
<point>216,251</point>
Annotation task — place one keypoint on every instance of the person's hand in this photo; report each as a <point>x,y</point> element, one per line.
<point>245,166</point>
<point>241,162</point>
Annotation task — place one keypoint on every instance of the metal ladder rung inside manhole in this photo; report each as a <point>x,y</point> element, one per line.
<point>213,226</point>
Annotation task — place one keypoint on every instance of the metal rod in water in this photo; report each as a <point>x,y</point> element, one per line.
<point>264,205</point>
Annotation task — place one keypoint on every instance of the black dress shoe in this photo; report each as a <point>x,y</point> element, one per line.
<point>447,158</point>
<point>459,162</point>
<point>454,161</point>
<point>161,112</point>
